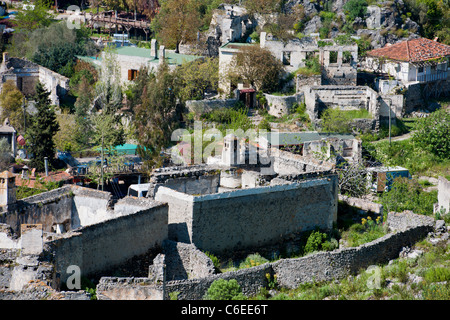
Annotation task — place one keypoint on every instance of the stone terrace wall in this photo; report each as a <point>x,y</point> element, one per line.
<point>250,280</point>
<point>362,204</point>
<point>204,106</point>
<point>103,245</point>
<point>185,261</point>
<point>321,266</point>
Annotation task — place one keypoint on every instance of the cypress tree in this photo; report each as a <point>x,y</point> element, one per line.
<point>42,129</point>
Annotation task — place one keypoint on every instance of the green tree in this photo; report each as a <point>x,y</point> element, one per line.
<point>65,139</point>
<point>83,105</point>
<point>157,116</point>
<point>177,21</point>
<point>432,16</point>
<point>196,77</point>
<point>5,154</point>
<point>115,5</point>
<point>222,289</point>
<point>11,101</point>
<point>107,125</point>
<point>42,129</point>
<point>55,47</point>
<point>432,133</point>
<point>335,121</point>
<point>355,8</point>
<point>258,67</point>
<point>108,89</point>
<point>33,17</point>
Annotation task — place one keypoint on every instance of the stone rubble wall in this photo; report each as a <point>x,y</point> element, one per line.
<point>362,204</point>
<point>321,266</point>
<point>204,106</point>
<point>103,245</point>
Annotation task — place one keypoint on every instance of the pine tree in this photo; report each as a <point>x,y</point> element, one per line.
<point>42,129</point>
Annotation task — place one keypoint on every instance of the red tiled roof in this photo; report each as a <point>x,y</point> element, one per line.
<point>414,50</point>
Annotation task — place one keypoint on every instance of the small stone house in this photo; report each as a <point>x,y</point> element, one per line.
<point>415,60</point>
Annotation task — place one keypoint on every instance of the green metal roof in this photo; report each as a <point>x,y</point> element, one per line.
<point>295,138</point>
<point>236,45</point>
<point>171,57</point>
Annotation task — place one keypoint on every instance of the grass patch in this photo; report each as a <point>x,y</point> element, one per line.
<point>364,232</point>
<point>407,154</point>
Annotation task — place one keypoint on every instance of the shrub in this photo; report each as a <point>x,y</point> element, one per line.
<point>315,241</point>
<point>356,8</point>
<point>253,260</point>
<point>437,274</point>
<point>407,194</point>
<point>265,125</point>
<point>367,231</point>
<point>436,292</point>
<point>335,121</point>
<point>432,133</point>
<point>214,260</point>
<point>222,289</point>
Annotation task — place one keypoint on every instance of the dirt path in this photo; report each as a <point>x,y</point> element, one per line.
<point>397,138</point>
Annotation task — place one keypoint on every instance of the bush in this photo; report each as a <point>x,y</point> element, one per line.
<point>367,231</point>
<point>253,260</point>
<point>437,274</point>
<point>432,133</point>
<point>335,121</point>
<point>407,194</point>
<point>436,292</point>
<point>315,241</point>
<point>356,8</point>
<point>214,260</point>
<point>222,289</point>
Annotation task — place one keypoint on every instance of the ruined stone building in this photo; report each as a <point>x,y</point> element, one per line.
<point>217,208</point>
<point>25,74</point>
<point>338,62</point>
<point>229,23</point>
<point>131,59</point>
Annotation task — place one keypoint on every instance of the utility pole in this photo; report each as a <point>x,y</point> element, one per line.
<point>101,165</point>
<point>390,104</point>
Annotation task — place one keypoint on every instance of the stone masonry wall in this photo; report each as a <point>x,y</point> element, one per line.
<point>203,106</point>
<point>279,106</point>
<point>321,266</point>
<point>245,217</point>
<point>48,209</point>
<point>103,245</point>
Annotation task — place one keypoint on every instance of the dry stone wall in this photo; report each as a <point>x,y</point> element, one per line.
<point>321,266</point>
<point>103,245</point>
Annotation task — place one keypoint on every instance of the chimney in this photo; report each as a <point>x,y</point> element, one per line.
<point>154,48</point>
<point>5,57</point>
<point>162,54</point>
<point>262,39</point>
<point>46,166</point>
